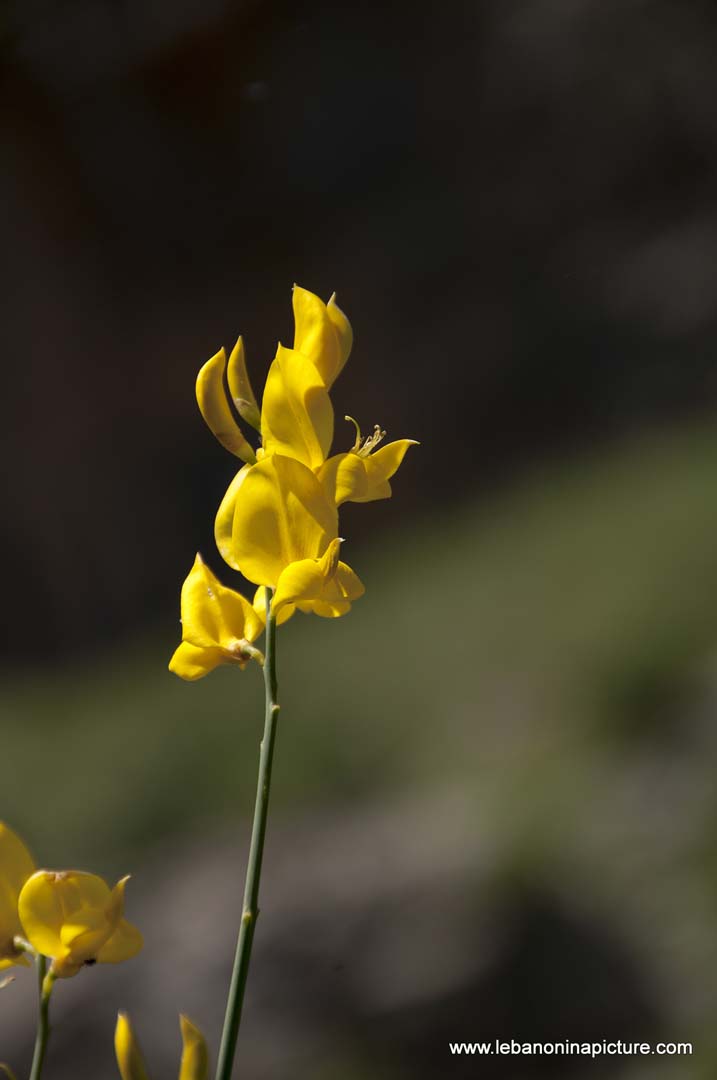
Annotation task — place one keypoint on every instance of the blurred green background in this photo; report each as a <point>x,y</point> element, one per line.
<point>494,803</point>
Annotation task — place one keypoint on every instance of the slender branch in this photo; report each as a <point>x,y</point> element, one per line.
<point>45,984</point>
<point>250,912</point>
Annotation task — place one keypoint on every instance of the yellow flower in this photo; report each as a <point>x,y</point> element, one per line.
<point>76,919</point>
<point>195,1057</point>
<point>16,866</point>
<point>282,515</point>
<point>218,626</point>
<point>362,475</point>
<point>284,536</point>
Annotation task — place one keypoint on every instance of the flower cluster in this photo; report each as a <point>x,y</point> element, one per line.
<point>278,522</point>
<point>69,916</point>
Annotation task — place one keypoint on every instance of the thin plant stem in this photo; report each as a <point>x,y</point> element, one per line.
<point>250,911</point>
<point>45,983</point>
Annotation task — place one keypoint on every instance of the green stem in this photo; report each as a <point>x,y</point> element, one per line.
<point>250,912</point>
<point>45,985</point>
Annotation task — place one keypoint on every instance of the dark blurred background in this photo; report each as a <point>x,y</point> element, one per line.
<point>495,804</point>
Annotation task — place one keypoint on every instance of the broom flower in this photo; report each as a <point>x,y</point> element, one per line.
<point>76,919</point>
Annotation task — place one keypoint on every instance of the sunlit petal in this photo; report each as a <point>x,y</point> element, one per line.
<point>283,516</point>
<point>344,478</point>
<point>297,418</point>
<point>192,663</point>
<point>344,333</point>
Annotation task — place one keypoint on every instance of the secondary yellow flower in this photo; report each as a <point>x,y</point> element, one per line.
<point>363,474</point>
<point>195,1057</point>
<point>16,866</point>
<point>76,919</point>
<point>218,626</point>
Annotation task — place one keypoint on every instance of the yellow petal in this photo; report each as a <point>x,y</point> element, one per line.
<point>129,1057</point>
<point>259,605</point>
<point>297,418</point>
<point>41,914</point>
<point>323,338</point>
<point>195,1056</point>
<point>123,944</point>
<point>283,516</point>
<point>323,586</point>
<point>339,593</point>
<point>354,478</point>
<point>381,465</point>
<point>304,581</point>
<point>344,478</point>
<point>213,615</point>
<point>344,333</point>
<point>240,387</point>
<point>191,663</point>
<point>224,521</point>
<point>214,407</point>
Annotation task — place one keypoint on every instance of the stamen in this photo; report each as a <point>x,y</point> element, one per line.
<point>356,446</point>
<point>369,443</point>
<point>372,441</point>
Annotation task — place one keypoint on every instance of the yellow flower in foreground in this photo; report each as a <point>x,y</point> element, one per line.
<point>76,919</point>
<point>282,515</point>
<point>195,1057</point>
<point>284,537</point>
<point>363,474</point>
<point>16,866</point>
<point>323,333</point>
<point>218,626</point>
